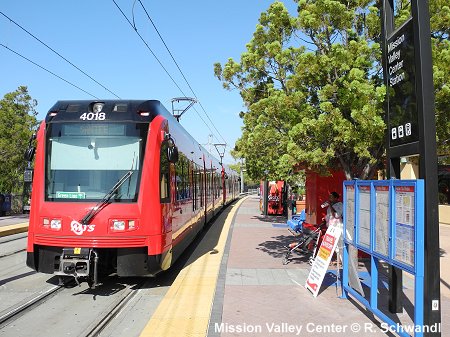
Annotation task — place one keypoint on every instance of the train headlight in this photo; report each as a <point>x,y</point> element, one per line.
<point>97,107</point>
<point>118,225</point>
<point>131,225</point>
<point>122,225</point>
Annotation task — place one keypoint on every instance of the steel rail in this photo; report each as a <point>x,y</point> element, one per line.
<point>14,312</point>
<point>114,309</point>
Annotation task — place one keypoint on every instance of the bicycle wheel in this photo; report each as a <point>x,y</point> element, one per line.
<point>286,259</point>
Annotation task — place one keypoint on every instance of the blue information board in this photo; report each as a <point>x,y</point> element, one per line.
<point>385,219</point>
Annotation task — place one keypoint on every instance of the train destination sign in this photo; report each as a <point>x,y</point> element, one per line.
<point>401,79</point>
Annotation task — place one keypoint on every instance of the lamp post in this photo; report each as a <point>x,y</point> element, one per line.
<point>242,176</point>
<point>266,193</point>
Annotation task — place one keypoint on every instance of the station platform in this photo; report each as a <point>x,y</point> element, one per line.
<point>16,224</point>
<point>239,287</point>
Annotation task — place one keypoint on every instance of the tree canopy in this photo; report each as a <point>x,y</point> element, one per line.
<point>17,124</point>
<point>440,34</point>
<point>313,88</point>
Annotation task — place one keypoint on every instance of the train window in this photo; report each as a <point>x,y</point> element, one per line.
<point>213,183</point>
<point>201,186</point>
<point>185,191</point>
<point>194,186</point>
<point>164,174</point>
<point>182,178</point>
<point>179,177</point>
<point>188,178</point>
<point>208,186</point>
<point>80,164</point>
<point>218,185</point>
<point>197,188</point>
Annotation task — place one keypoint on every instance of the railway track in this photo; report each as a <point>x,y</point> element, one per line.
<point>10,314</point>
<point>92,327</point>
<point>14,237</point>
<point>96,327</point>
<point>12,253</point>
<point>9,240</point>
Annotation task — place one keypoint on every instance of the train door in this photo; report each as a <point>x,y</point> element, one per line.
<point>201,188</point>
<point>204,192</point>
<point>194,186</point>
<point>224,189</point>
<point>166,193</point>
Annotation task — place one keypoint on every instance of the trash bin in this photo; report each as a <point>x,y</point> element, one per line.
<point>2,200</point>
<point>6,207</point>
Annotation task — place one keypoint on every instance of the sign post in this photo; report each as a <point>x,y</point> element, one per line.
<point>323,258</point>
<point>408,73</point>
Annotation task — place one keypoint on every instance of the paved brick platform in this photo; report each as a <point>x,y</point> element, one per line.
<point>257,295</point>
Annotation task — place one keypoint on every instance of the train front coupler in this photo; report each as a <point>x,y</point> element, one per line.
<point>80,263</point>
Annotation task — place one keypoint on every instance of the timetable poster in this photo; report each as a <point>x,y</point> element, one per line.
<point>364,216</point>
<point>350,212</point>
<point>404,224</point>
<point>382,220</point>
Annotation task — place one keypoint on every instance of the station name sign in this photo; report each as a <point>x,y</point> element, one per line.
<point>401,86</point>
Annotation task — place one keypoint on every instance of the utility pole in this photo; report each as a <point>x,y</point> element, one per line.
<point>242,176</point>
<point>407,64</point>
<point>210,143</point>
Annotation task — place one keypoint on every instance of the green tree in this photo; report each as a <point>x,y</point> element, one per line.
<point>440,34</point>
<point>313,88</point>
<point>247,180</point>
<point>17,124</point>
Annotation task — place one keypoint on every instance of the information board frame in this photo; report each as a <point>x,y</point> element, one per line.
<point>394,189</point>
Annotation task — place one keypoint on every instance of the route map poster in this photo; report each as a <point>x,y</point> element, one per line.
<point>364,216</point>
<point>404,224</point>
<point>350,213</point>
<point>382,220</point>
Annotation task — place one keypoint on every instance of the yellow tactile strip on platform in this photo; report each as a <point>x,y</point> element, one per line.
<point>13,229</point>
<point>186,308</point>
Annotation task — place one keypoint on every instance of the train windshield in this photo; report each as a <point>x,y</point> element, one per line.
<point>85,160</point>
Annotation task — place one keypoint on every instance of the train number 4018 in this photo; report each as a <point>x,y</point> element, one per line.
<point>93,116</point>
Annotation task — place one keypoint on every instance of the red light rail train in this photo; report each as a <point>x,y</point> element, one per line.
<point>119,186</point>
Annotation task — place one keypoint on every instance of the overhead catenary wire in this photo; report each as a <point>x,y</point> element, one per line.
<point>157,59</point>
<point>179,69</point>
<point>50,72</point>
<point>54,51</point>
<point>148,47</point>
<point>78,68</point>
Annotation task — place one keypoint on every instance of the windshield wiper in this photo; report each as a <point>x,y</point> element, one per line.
<point>97,208</point>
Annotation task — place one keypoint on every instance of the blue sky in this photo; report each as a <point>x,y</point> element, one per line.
<point>94,35</point>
